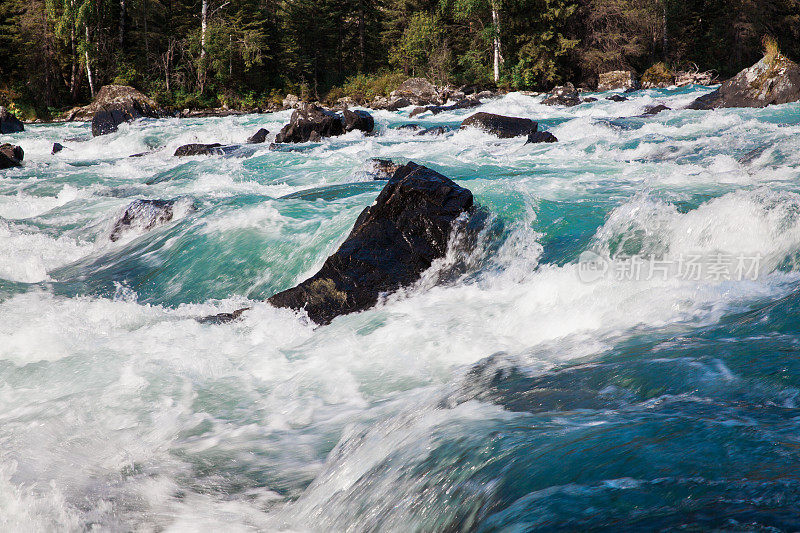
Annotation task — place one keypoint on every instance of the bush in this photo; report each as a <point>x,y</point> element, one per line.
<point>364,87</point>
<point>659,75</point>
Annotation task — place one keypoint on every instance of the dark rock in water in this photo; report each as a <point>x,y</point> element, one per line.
<point>143,214</point>
<point>502,126</point>
<point>773,80</point>
<point>589,100</point>
<point>358,120</point>
<point>437,130</point>
<point>310,119</point>
<point>57,147</point>
<point>617,98</point>
<point>198,149</point>
<point>566,95</point>
<point>115,104</point>
<point>541,137</point>
<point>11,156</point>
<point>9,123</point>
<point>258,137</point>
<point>649,111</point>
<point>142,154</point>
<point>383,169</point>
<point>393,241</point>
<point>411,127</point>
<point>465,103</point>
<point>223,318</point>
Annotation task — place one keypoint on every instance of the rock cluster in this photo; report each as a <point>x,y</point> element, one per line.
<point>11,156</point>
<point>9,123</point>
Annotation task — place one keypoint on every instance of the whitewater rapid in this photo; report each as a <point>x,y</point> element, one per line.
<point>451,403</point>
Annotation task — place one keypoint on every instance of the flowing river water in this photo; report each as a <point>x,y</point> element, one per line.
<point>511,389</point>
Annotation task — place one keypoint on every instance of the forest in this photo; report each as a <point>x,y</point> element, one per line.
<point>55,54</point>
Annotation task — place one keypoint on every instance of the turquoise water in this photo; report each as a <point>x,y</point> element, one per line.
<point>503,392</point>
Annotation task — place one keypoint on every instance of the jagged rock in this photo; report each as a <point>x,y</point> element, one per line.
<point>393,241</point>
<point>143,215</point>
<point>773,80</point>
<point>9,123</point>
<point>651,110</point>
<point>358,120</point>
<point>258,137</point>
<point>541,137</point>
<point>383,169</point>
<point>695,77</point>
<point>588,100</point>
<point>308,119</point>
<point>57,147</point>
<point>223,318</point>
<point>418,91</point>
<point>198,149</point>
<point>11,156</point>
<point>410,127</point>
<point>113,105</point>
<point>617,98</point>
<point>617,79</point>
<point>499,125</point>
<point>436,130</point>
<point>565,95</point>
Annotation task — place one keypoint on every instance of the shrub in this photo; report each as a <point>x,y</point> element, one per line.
<point>770,45</point>
<point>659,75</point>
<point>365,87</point>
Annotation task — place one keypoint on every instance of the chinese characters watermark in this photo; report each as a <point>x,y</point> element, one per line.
<point>687,267</point>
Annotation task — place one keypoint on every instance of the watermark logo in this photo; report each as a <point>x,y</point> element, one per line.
<point>593,267</point>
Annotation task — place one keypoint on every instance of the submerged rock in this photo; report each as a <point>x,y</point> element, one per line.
<point>223,318</point>
<point>143,215</point>
<point>11,156</point>
<point>57,147</point>
<point>9,123</point>
<point>198,149</point>
<point>617,79</point>
<point>588,100</point>
<point>358,120</point>
<point>502,126</point>
<point>436,130</point>
<point>393,241</point>
<point>465,103</point>
<point>410,127</point>
<point>258,137</point>
<point>773,80</point>
<point>617,98</point>
<point>566,95</point>
<point>651,110</point>
<point>541,137</point>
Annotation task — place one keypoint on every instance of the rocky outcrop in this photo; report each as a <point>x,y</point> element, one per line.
<point>617,79</point>
<point>694,77</point>
<point>541,137</point>
<point>501,126</point>
<point>773,80</point>
<point>358,120</point>
<point>566,95</point>
<point>9,123</point>
<point>113,105</point>
<point>198,149</point>
<point>393,241</point>
<point>258,137</point>
<point>291,101</point>
<point>143,215</point>
<point>393,103</point>
<point>418,91</point>
<point>309,119</point>
<point>11,156</point>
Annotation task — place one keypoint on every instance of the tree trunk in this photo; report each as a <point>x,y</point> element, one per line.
<point>496,41</point>
<point>203,24</point>
<point>89,64</point>
<point>122,23</point>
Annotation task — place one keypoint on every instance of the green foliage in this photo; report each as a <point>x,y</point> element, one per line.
<point>422,50</point>
<point>365,87</point>
<point>658,75</point>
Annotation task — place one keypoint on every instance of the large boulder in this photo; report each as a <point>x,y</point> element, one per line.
<point>773,80</point>
<point>143,215</point>
<point>113,105</point>
<point>310,122</point>
<point>258,137</point>
<point>418,91</point>
<point>393,241</point>
<point>501,126</point>
<point>10,156</point>
<point>566,95</point>
<point>9,123</point>
<point>358,120</point>
<point>617,79</point>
